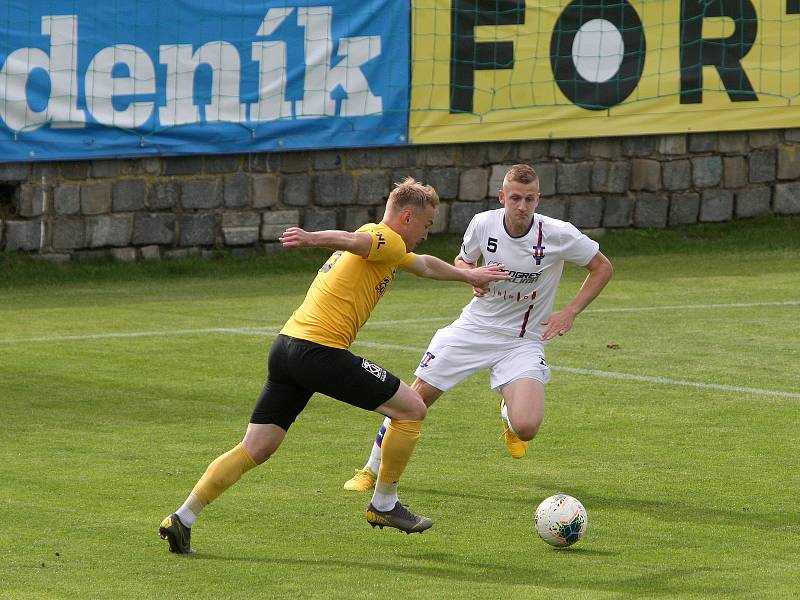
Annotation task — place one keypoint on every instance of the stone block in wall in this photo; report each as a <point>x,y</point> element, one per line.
<point>677,174</point>
<point>128,195</point>
<point>130,166</point>
<point>753,202</point>
<point>327,160</point>
<point>716,205</point>
<point>274,223</point>
<point>334,189</point>
<point>95,198</point>
<point>317,219</point>
<point>296,190</point>
<point>555,207</point>
<point>265,162</point>
<point>355,218</point>
<point>684,208</point>
<point>763,165</point>
<point>68,234</point>
<point>439,156</point>
<point>532,150</point>
<point>75,169</point>
<point>154,228</point>
<point>706,171</point>
<point>702,142</point>
<point>48,170</point>
<point>294,162</point>
<point>441,219</point>
<point>732,142</point>
<point>559,148</point>
<point>461,214</point>
<point>639,146</point>
<point>124,254</point>
<point>606,148</point>
<point>672,144</point>
<point>445,182</point>
<point>266,189</point>
<point>197,229</point>
<point>787,198</point>
<point>108,230</point>
<point>474,155</point>
<point>201,193</point>
<point>372,188</point>
<point>398,157</point>
<point>13,171</point>
<point>618,211</point>
<point>792,135</point>
<point>151,166</point>
<point>150,252</point>
<point>240,228</point>
<point>362,158</point>
<point>765,138</point>
<point>574,178</point>
<point>104,169</point>
<point>183,165</point>
<point>586,212</point>
<point>645,174</point>
<point>579,149</point>
<point>23,235</point>
<point>547,174</point>
<point>734,171</point>
<point>496,177</point>
<point>236,191</point>
<point>789,162</point>
<point>32,200</point>
<point>163,195</point>
<point>610,177</point>
<point>473,184</point>
<point>498,152</point>
<point>218,164</point>
<point>650,210</point>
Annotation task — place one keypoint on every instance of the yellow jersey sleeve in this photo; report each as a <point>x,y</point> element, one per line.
<point>347,288</point>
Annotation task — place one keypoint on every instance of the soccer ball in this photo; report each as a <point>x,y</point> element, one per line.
<point>561,520</point>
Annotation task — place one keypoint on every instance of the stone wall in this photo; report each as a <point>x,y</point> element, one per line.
<point>153,207</point>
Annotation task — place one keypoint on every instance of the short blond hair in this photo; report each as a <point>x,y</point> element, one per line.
<point>521,174</point>
<point>412,193</point>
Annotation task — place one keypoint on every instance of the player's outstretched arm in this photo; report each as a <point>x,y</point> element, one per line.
<point>600,273</point>
<point>435,268</point>
<point>358,242</point>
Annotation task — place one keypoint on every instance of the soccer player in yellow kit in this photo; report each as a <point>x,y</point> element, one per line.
<point>311,355</point>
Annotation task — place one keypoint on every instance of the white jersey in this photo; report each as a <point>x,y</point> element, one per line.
<point>535,260</point>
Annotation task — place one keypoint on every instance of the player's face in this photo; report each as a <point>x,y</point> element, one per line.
<point>520,201</point>
<point>420,221</point>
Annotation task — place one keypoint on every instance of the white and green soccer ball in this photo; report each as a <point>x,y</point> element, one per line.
<point>561,520</point>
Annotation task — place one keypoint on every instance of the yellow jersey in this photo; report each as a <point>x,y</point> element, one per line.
<point>347,288</point>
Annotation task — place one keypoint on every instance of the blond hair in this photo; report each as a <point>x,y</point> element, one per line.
<point>411,193</point>
<point>521,174</point>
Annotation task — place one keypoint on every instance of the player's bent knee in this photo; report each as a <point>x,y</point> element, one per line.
<point>527,431</point>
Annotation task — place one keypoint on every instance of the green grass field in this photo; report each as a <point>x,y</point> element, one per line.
<point>673,416</point>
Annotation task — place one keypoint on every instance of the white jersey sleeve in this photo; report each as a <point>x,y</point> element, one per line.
<point>576,247</point>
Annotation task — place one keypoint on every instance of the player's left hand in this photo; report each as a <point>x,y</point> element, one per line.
<point>295,237</point>
<point>558,324</point>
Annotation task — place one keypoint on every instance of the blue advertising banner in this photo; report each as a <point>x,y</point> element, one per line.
<point>81,79</point>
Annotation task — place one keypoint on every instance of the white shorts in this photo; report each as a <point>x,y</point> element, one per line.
<point>461,349</point>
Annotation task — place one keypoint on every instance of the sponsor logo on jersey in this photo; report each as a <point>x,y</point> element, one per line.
<point>381,240</point>
<point>426,360</point>
<point>373,369</point>
<point>381,287</point>
<point>519,276</point>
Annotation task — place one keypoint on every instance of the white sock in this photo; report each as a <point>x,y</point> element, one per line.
<point>374,462</point>
<point>385,496</point>
<point>504,414</point>
<point>186,516</point>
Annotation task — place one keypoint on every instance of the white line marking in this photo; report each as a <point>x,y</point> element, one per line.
<point>273,331</point>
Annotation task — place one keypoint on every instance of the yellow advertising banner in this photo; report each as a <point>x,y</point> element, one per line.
<point>509,69</point>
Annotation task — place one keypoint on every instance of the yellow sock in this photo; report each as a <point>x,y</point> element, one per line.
<point>398,444</point>
<point>222,473</point>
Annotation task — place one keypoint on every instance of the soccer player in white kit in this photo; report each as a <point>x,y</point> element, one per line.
<point>507,325</point>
